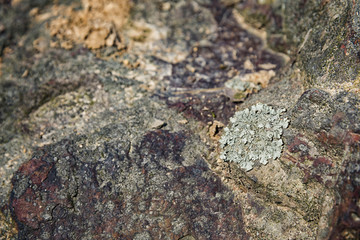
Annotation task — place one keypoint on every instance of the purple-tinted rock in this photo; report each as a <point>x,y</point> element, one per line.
<point>123,195</point>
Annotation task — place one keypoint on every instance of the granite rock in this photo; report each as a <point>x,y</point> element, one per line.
<point>123,143</point>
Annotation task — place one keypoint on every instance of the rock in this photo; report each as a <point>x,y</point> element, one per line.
<point>327,42</point>
<point>123,191</point>
<point>122,141</point>
<point>157,124</point>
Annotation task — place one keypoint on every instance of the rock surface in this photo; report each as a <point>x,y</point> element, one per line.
<point>123,142</point>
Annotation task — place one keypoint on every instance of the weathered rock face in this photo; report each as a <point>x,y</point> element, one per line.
<point>122,142</point>
<point>327,42</point>
<point>328,152</point>
<point>137,190</point>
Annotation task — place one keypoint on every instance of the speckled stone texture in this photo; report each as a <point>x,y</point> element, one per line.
<point>67,192</point>
<point>334,126</point>
<point>123,143</point>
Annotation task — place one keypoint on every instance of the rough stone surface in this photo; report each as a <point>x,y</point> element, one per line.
<point>146,189</point>
<point>123,143</point>
<point>329,53</point>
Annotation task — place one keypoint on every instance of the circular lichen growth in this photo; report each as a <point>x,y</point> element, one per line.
<point>253,136</point>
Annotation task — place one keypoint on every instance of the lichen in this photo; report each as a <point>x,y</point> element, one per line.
<point>97,24</point>
<point>254,136</point>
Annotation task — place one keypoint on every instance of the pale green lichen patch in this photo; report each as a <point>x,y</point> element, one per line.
<point>254,136</point>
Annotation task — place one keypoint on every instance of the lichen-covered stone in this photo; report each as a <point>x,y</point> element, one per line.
<point>327,43</point>
<point>118,191</point>
<point>254,136</point>
<point>83,155</point>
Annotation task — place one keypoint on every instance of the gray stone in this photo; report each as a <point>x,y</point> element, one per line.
<point>85,152</point>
